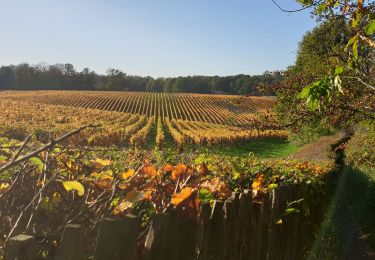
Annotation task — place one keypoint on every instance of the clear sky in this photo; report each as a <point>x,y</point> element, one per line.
<point>153,37</point>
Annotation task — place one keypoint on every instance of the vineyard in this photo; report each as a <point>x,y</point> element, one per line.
<point>129,119</point>
<point>215,109</point>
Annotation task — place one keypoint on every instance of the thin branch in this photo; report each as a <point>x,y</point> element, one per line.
<point>43,148</point>
<point>296,10</point>
<point>363,83</point>
<point>28,138</point>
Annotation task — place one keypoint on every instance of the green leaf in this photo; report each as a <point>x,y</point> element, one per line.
<point>289,211</point>
<point>351,42</point>
<point>3,158</point>
<point>370,28</point>
<point>339,70</point>
<point>74,185</point>
<point>320,9</point>
<point>355,49</point>
<point>37,162</point>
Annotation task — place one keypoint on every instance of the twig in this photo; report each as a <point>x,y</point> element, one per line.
<point>21,148</point>
<point>361,81</point>
<point>47,146</point>
<point>296,10</point>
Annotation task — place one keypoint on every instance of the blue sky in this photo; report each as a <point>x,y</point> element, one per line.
<point>153,37</point>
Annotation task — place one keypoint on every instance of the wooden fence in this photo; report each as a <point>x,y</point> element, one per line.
<point>238,228</point>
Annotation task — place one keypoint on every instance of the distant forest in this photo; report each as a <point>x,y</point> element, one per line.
<point>66,77</point>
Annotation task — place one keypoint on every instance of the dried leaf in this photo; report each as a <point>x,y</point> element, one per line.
<point>148,170</point>
<point>178,198</point>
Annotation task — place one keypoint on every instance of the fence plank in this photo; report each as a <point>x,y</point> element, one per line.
<point>230,229</point>
<point>215,240</point>
<point>156,241</point>
<point>243,226</point>
<point>70,246</point>
<point>265,226</point>
<point>276,242</point>
<point>202,232</point>
<point>21,247</point>
<point>117,238</point>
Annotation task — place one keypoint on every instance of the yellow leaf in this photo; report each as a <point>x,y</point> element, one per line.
<point>122,186</point>
<point>279,221</point>
<point>126,175</point>
<point>4,186</point>
<point>178,198</point>
<point>74,185</point>
<point>258,182</point>
<point>103,162</point>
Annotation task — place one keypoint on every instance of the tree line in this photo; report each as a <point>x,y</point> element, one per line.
<point>67,77</point>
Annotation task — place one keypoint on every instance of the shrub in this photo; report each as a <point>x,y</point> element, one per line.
<point>360,148</point>
<point>311,132</point>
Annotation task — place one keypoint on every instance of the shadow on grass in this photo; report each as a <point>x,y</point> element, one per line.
<point>348,230</point>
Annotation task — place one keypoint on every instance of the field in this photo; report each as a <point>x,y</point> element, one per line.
<point>144,120</point>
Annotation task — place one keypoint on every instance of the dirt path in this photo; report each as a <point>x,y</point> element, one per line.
<point>320,150</point>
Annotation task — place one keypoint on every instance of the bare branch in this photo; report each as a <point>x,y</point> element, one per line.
<point>43,148</point>
<point>296,10</point>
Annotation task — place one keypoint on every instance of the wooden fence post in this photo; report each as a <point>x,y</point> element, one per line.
<point>117,238</point>
<point>21,247</point>
<point>70,246</point>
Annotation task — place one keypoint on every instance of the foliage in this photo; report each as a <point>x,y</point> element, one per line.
<point>85,186</point>
<point>360,148</point>
<point>66,77</point>
<point>311,132</point>
<point>358,17</point>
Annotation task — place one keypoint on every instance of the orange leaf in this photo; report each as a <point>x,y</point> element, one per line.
<point>148,170</point>
<point>167,168</point>
<point>178,198</point>
<point>179,170</point>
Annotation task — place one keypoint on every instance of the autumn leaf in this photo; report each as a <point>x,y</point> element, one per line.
<point>104,184</point>
<point>167,168</point>
<point>126,175</point>
<point>134,196</point>
<point>203,169</point>
<point>4,186</point>
<point>122,186</point>
<point>148,171</point>
<point>103,162</point>
<point>178,198</point>
<point>121,207</point>
<point>74,185</point>
<point>258,182</point>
